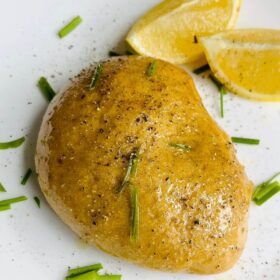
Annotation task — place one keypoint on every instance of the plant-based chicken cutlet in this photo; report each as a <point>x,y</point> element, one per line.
<point>133,134</point>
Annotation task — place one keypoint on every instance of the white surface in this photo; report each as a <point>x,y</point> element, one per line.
<point>34,243</point>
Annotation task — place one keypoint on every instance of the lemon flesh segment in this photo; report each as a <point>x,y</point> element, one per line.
<point>247,61</point>
<point>168,30</point>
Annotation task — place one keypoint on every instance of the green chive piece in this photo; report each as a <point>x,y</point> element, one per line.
<point>69,27</point>
<point>131,169</point>
<point>265,192</point>
<point>217,83</point>
<point>5,207</point>
<point>134,232</point>
<point>37,200</point>
<point>249,141</point>
<point>90,275</point>
<point>269,181</point>
<point>12,144</point>
<point>152,68</point>
<point>109,277</point>
<point>46,89</point>
<point>96,76</point>
<point>135,160</point>
<point>222,93</point>
<point>2,189</point>
<point>202,69</point>
<point>272,179</point>
<point>113,53</point>
<point>182,147</point>
<point>79,270</point>
<point>93,275</point>
<point>26,176</point>
<point>12,200</point>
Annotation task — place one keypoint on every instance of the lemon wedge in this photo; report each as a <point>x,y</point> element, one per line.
<point>246,61</point>
<point>170,30</point>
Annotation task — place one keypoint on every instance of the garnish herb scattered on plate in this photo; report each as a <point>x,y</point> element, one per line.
<point>26,176</point>
<point>80,270</point>
<point>131,169</point>
<point>249,141</point>
<point>5,207</point>
<point>113,53</point>
<point>96,76</point>
<point>222,91</point>
<point>181,147</point>
<point>90,272</point>
<point>2,189</point>
<point>12,144</point>
<point>69,27</point>
<point>134,232</point>
<point>267,189</point>
<point>201,69</point>
<point>12,200</point>
<point>6,204</point>
<point>152,68</point>
<point>37,200</point>
<point>46,89</point>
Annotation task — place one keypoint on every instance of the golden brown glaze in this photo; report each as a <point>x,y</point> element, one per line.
<point>193,205</point>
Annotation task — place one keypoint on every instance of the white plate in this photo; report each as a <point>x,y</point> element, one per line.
<point>34,243</point>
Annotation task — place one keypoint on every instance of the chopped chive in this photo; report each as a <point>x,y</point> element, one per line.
<point>195,41</point>
<point>37,200</point>
<point>46,88</point>
<point>201,69</point>
<point>89,275</point>
<point>217,83</point>
<point>182,147</point>
<point>93,275</point>
<point>26,176</point>
<point>69,27</point>
<point>269,181</point>
<point>12,144</point>
<point>12,200</point>
<point>129,53</point>
<point>131,169</point>
<point>109,277</point>
<point>2,189</point>
<point>135,159</point>
<point>265,192</point>
<point>152,68</point>
<point>134,232</point>
<point>5,207</point>
<point>222,93</point>
<point>272,179</point>
<point>113,53</point>
<point>84,269</point>
<point>96,76</point>
<point>249,141</point>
